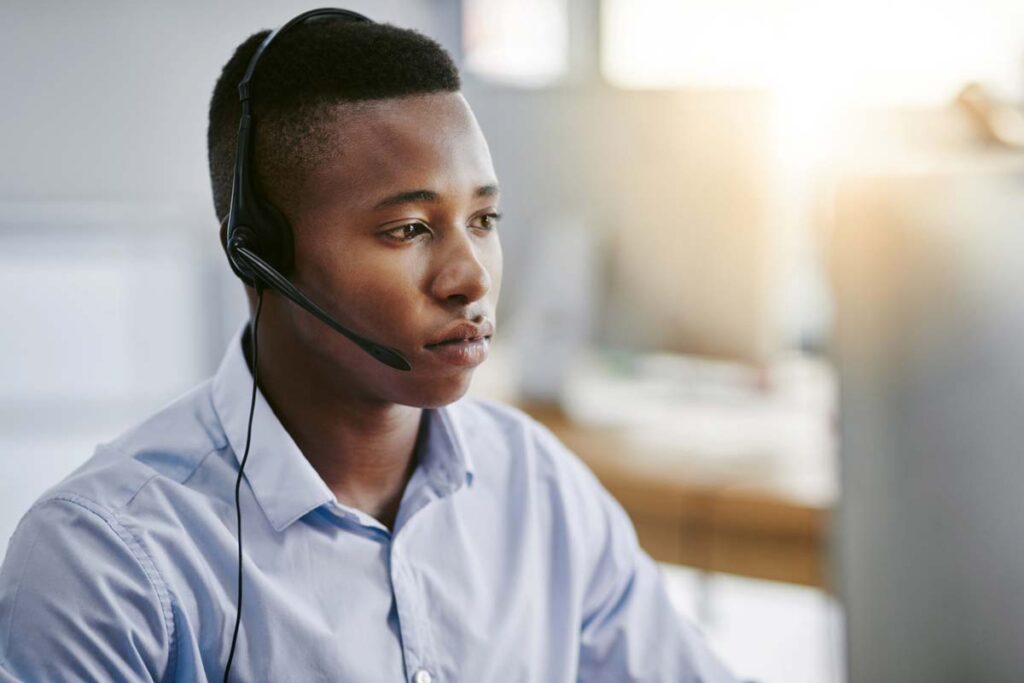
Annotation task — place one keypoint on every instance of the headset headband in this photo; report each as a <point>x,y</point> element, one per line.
<point>253,223</point>
<point>259,240</point>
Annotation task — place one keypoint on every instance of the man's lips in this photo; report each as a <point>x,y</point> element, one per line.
<point>463,344</point>
<point>464,353</point>
<point>453,342</point>
<point>461,332</point>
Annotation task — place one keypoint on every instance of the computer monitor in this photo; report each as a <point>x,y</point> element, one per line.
<point>928,275</point>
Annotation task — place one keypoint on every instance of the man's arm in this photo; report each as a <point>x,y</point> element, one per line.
<point>631,631</point>
<point>80,600</point>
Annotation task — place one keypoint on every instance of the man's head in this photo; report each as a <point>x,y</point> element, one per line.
<point>366,146</point>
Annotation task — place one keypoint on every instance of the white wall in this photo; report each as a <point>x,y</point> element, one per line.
<point>108,99</point>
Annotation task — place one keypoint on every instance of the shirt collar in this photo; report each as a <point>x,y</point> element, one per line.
<point>283,482</point>
<point>445,456</point>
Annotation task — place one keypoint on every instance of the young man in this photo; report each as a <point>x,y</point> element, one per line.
<point>394,530</point>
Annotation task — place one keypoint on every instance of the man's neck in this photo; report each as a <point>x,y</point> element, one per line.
<point>365,452</point>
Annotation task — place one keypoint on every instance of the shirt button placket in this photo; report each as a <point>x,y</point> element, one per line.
<point>402,584</point>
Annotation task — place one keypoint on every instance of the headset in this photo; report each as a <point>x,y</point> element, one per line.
<point>259,247</point>
<point>259,242</point>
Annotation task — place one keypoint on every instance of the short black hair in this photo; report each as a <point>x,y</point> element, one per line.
<point>300,78</point>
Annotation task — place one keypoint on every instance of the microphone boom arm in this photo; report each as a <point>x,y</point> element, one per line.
<point>385,354</point>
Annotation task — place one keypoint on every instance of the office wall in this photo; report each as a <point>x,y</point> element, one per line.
<point>108,99</point>
<point>678,192</point>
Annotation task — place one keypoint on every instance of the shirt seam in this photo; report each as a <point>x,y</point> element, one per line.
<point>17,593</point>
<point>195,470</point>
<point>214,448</point>
<point>145,562</point>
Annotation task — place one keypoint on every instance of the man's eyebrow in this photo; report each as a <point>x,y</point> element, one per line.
<point>486,191</point>
<point>416,196</point>
<point>409,197</point>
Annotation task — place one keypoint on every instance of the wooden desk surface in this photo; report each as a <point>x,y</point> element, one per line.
<point>722,521</point>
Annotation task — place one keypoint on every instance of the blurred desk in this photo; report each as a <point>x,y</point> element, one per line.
<point>733,518</point>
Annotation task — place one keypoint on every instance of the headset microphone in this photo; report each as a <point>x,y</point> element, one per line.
<point>266,274</point>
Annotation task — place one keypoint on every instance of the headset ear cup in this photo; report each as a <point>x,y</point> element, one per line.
<point>228,243</point>
<point>242,237</point>
<point>262,229</point>
<point>277,240</point>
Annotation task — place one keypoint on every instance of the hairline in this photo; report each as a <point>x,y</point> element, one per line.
<point>337,115</point>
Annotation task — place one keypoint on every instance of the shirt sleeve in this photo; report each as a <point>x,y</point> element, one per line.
<point>630,630</point>
<point>80,601</point>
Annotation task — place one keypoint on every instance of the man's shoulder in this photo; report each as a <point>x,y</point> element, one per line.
<point>494,429</point>
<point>477,414</point>
<point>523,462</point>
<point>168,446</point>
<point>497,423</point>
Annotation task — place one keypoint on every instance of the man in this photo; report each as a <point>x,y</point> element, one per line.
<point>394,530</point>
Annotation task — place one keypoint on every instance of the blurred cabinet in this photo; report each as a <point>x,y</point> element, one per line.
<point>734,522</point>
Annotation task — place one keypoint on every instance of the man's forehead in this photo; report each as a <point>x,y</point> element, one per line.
<point>379,148</point>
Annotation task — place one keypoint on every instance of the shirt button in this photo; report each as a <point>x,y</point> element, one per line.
<point>422,676</point>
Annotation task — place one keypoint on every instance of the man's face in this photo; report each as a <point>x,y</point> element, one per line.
<point>395,236</point>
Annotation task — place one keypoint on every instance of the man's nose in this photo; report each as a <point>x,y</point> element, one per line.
<point>461,277</point>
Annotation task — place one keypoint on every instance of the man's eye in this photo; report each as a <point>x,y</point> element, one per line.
<point>488,221</point>
<point>406,233</point>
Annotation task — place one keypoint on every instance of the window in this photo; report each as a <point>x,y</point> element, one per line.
<point>869,52</point>
<point>518,42</point>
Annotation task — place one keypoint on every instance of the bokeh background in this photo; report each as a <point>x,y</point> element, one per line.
<point>763,273</point>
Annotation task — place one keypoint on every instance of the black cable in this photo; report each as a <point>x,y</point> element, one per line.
<point>241,469</point>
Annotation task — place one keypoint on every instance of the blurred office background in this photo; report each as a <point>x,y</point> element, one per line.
<point>764,269</point>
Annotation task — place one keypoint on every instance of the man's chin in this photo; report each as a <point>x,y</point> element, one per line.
<point>443,391</point>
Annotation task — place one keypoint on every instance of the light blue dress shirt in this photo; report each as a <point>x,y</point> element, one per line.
<point>508,562</point>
